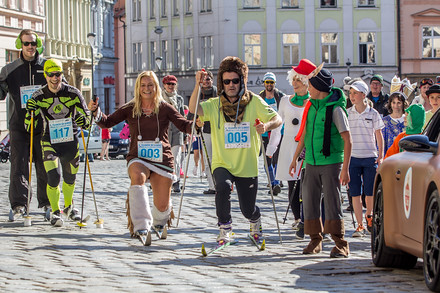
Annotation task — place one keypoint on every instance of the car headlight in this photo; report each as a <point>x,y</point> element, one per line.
<point>123,141</point>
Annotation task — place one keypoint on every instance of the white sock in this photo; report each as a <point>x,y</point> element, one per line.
<point>161,218</point>
<point>140,211</point>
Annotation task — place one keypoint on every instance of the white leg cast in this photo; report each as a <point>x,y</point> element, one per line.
<point>140,211</point>
<point>161,218</point>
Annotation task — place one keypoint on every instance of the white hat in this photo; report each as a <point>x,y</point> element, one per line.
<point>360,86</point>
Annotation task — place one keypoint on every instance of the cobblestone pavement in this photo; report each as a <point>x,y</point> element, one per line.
<point>41,258</point>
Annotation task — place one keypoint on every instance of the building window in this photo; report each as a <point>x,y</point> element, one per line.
<point>328,4</point>
<point>163,8</point>
<point>329,48</point>
<point>205,5</point>
<point>289,4</point>
<point>164,55</point>
<point>207,52</point>
<point>11,56</point>
<point>176,54</point>
<point>136,11</point>
<point>188,6</point>
<point>176,4</point>
<point>251,3</point>
<point>153,51</point>
<point>152,9</point>
<point>189,53</point>
<point>137,57</point>
<point>290,49</point>
<point>366,3</point>
<point>367,48</point>
<point>252,49</point>
<point>431,42</point>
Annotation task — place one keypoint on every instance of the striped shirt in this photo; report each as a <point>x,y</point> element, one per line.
<point>362,128</point>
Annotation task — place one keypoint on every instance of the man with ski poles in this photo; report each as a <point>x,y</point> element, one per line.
<point>19,80</point>
<point>235,142</point>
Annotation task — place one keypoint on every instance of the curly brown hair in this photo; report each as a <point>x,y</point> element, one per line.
<point>401,98</point>
<point>231,64</point>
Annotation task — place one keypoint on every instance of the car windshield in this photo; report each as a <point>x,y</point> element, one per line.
<point>118,127</point>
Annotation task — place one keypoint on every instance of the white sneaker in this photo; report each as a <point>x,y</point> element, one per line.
<point>295,224</point>
<point>195,170</point>
<point>225,232</point>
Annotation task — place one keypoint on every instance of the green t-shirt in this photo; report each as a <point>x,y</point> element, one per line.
<point>241,162</point>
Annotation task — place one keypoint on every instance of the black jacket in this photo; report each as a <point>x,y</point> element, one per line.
<point>380,105</point>
<point>15,75</point>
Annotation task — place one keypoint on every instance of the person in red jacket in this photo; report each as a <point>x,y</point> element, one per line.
<point>105,138</point>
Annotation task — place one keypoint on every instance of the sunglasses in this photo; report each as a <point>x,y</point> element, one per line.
<point>269,82</point>
<point>170,83</point>
<point>234,81</point>
<point>34,44</point>
<point>55,73</point>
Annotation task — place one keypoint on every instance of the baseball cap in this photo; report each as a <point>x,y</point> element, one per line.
<point>377,77</point>
<point>360,86</point>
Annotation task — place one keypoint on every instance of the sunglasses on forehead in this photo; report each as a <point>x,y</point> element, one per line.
<point>269,82</point>
<point>234,81</point>
<point>34,44</point>
<point>426,81</point>
<point>55,73</point>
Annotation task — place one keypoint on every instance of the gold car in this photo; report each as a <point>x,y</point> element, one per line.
<point>406,212</point>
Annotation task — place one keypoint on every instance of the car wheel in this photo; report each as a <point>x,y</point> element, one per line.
<point>382,255</point>
<point>431,244</point>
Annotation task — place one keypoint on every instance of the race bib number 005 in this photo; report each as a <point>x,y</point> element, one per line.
<point>60,130</point>
<point>26,93</point>
<point>237,136</point>
<point>150,150</point>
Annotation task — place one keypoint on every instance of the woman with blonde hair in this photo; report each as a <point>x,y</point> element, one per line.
<point>149,157</point>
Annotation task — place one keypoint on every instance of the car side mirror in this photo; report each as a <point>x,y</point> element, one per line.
<point>418,143</point>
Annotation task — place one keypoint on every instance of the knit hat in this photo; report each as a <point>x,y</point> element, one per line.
<point>231,64</point>
<point>269,76</point>
<point>169,78</point>
<point>360,86</point>
<point>52,65</point>
<point>322,81</point>
<point>415,119</point>
<point>433,89</point>
<point>377,77</point>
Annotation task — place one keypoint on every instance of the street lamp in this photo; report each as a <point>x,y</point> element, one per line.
<point>159,30</point>
<point>348,63</point>
<point>91,38</point>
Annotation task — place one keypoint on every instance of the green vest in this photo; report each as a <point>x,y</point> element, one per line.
<point>314,138</point>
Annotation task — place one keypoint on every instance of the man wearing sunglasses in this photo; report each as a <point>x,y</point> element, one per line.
<point>19,80</point>
<point>235,142</point>
<point>64,110</point>
<point>422,98</point>
<point>272,96</point>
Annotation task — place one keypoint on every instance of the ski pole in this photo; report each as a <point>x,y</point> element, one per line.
<point>293,193</point>
<point>27,219</point>
<point>257,121</point>
<point>189,153</point>
<point>99,222</point>
<point>86,146</point>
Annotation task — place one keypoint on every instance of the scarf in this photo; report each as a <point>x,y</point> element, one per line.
<point>170,98</point>
<point>299,100</point>
<point>230,109</point>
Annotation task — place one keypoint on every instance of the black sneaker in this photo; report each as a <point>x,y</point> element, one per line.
<point>176,187</point>
<point>72,214</point>
<point>276,189</point>
<point>349,208</point>
<point>300,233</point>
<point>209,191</point>
<point>56,219</point>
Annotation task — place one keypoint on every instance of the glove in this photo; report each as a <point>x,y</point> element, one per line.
<point>31,105</point>
<point>80,120</point>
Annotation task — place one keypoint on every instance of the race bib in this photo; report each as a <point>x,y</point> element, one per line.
<point>26,93</point>
<point>237,137</point>
<point>60,130</point>
<point>150,150</point>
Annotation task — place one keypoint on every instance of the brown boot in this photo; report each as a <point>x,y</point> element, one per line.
<point>341,249</point>
<point>315,244</point>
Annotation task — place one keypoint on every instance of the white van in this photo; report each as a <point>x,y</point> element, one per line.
<point>95,144</point>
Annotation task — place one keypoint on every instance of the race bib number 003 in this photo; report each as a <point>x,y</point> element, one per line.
<point>26,93</point>
<point>150,150</point>
<point>237,136</point>
<point>60,130</point>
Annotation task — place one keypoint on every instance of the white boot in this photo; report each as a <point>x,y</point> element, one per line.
<point>140,211</point>
<point>161,218</point>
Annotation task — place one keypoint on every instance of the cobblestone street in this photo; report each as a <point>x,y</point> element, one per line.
<point>42,258</point>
